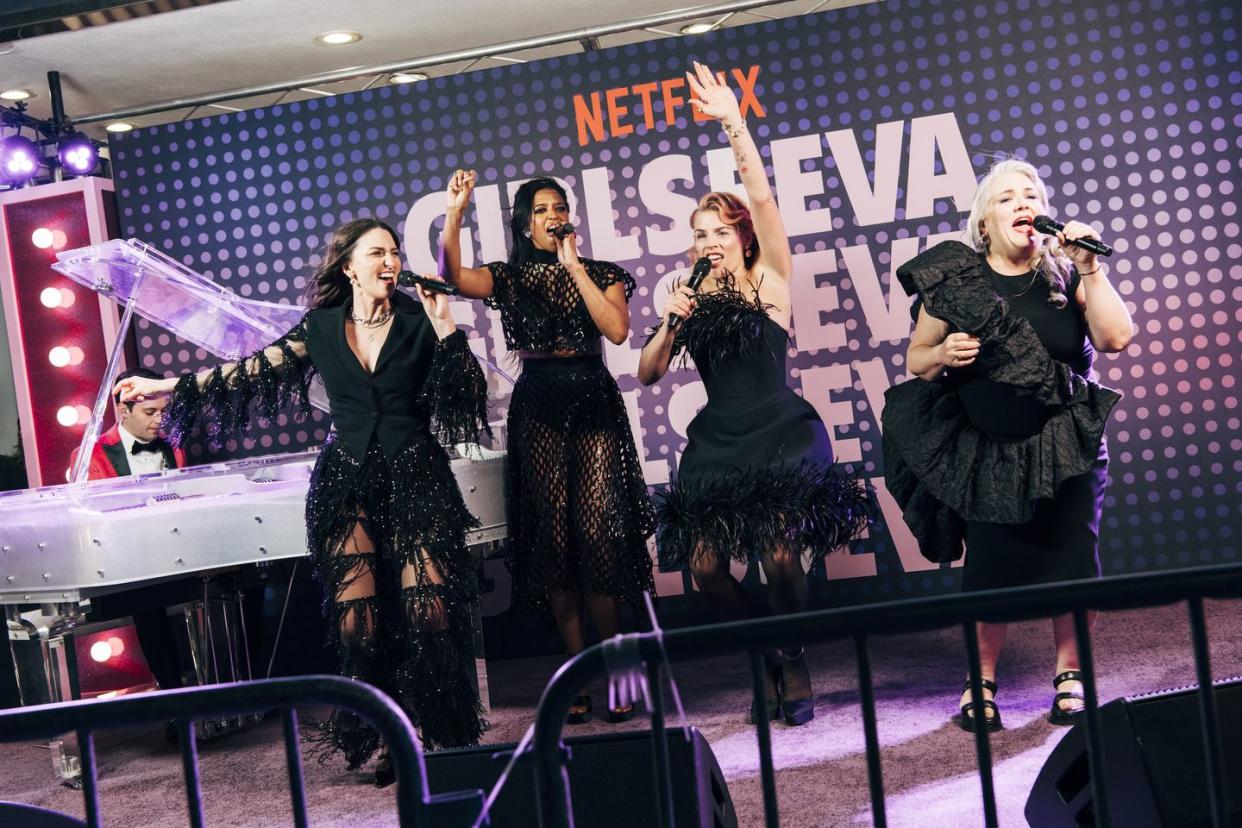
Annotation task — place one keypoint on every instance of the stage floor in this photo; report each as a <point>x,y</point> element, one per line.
<point>929,769</point>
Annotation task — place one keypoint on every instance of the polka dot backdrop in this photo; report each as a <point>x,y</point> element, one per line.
<point>1129,109</point>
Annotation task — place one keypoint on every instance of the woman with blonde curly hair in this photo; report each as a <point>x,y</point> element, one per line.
<point>998,445</point>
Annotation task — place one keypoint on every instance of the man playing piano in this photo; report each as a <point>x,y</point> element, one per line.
<point>134,446</point>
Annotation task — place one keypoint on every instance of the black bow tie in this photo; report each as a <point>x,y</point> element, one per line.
<point>155,446</point>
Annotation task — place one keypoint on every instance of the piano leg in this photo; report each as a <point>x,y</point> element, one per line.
<point>46,668</point>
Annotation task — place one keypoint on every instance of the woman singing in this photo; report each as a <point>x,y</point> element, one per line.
<point>1000,443</point>
<point>756,481</point>
<point>577,504</point>
<point>385,520</point>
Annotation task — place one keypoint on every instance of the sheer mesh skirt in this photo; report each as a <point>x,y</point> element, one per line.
<point>578,510</point>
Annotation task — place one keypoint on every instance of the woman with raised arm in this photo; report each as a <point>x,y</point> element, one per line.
<point>757,479</point>
<point>385,520</point>
<point>577,503</point>
<point>999,442</point>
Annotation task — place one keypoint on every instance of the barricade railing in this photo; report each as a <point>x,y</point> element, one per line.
<point>415,805</point>
<point>861,623</point>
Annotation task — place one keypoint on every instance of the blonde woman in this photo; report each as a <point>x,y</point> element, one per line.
<point>999,443</point>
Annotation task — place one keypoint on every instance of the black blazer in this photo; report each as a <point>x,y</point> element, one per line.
<point>389,403</point>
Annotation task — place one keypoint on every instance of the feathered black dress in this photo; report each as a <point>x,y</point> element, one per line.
<point>757,473</point>
<point>1006,457</point>
<point>382,469</point>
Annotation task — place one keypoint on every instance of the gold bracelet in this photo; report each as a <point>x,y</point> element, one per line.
<point>1089,272</point>
<point>734,131</point>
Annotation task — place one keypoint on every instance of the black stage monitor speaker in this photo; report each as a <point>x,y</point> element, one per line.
<point>612,780</point>
<point>1154,759</point>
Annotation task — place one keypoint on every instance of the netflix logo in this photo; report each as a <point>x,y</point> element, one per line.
<point>614,113</point>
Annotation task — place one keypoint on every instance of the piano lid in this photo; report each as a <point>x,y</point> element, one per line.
<point>176,298</point>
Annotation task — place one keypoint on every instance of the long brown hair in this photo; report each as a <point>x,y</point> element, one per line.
<point>329,286</point>
<point>733,212</point>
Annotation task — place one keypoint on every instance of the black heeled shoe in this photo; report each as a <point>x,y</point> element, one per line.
<point>1061,715</point>
<point>966,720</point>
<point>796,710</point>
<point>580,710</point>
<point>771,690</point>
<point>384,773</point>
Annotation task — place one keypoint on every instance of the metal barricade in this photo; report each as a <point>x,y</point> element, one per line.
<point>415,805</point>
<point>860,623</point>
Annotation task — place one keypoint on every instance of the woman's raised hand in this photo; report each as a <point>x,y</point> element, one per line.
<point>711,96</point>
<point>460,186</point>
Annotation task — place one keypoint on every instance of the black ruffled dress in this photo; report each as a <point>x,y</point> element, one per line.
<point>577,504</point>
<point>757,473</point>
<point>382,469</point>
<point>1006,456</point>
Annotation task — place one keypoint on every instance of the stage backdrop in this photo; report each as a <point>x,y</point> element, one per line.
<point>875,122</point>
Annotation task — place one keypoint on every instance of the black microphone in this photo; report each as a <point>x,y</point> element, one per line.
<point>1048,226</point>
<point>701,268</point>
<point>408,278</point>
<point>560,231</point>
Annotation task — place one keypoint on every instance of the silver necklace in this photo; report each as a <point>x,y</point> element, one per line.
<point>371,324</point>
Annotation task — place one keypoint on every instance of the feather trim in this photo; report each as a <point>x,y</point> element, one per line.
<point>456,391</point>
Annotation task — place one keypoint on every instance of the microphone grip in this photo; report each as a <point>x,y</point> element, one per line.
<point>1096,246</point>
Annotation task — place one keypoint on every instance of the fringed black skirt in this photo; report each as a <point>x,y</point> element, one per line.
<point>578,510</point>
<point>757,476</point>
<point>420,650</point>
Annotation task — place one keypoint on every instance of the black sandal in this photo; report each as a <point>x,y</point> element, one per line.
<point>1062,715</point>
<point>580,710</point>
<point>966,721</point>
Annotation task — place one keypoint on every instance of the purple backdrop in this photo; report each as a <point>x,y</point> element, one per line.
<point>875,122</point>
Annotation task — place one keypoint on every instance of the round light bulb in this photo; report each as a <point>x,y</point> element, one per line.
<point>100,651</point>
<point>60,357</point>
<point>42,238</point>
<point>67,415</point>
<point>50,297</point>
<point>119,126</point>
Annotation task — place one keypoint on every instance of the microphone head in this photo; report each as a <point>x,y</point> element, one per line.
<point>562,230</point>
<point>408,278</point>
<point>1047,225</point>
<point>699,272</point>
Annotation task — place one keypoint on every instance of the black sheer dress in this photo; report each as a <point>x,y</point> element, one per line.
<point>577,503</point>
<point>757,473</point>
<point>1008,454</point>
<point>380,469</point>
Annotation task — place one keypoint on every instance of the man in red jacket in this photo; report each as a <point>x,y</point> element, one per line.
<point>134,446</point>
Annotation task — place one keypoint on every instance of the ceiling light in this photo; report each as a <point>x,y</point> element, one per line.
<point>19,159</point>
<point>407,77</point>
<point>16,94</point>
<point>697,28</point>
<point>340,38</point>
<point>119,126</point>
<point>77,154</point>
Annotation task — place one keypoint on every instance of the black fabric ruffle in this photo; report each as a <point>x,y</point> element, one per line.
<point>747,513</point>
<point>456,391</point>
<point>943,471</point>
<point>223,403</point>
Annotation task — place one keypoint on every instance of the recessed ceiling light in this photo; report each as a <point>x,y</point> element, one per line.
<point>16,94</point>
<point>407,77</point>
<point>119,126</point>
<point>337,38</point>
<point>697,28</point>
